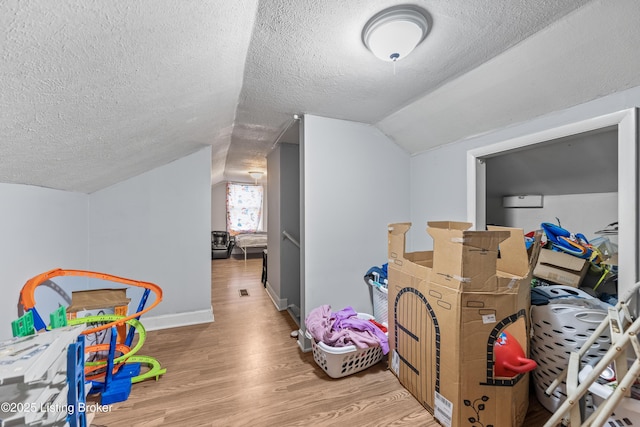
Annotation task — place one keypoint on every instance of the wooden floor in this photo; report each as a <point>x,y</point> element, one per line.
<point>244,369</point>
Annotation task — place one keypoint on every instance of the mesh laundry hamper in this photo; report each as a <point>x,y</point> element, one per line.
<point>380,302</point>
<point>558,329</point>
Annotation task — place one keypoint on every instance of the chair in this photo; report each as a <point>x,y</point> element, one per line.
<point>221,244</point>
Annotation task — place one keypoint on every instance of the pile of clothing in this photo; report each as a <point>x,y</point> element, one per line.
<point>344,328</point>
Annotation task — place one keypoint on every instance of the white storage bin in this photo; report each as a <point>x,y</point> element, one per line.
<point>339,362</point>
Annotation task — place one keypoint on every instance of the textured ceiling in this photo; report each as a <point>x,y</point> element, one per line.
<point>93,92</point>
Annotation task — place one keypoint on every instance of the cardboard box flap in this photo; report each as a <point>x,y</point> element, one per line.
<point>422,258</point>
<point>407,261</point>
<point>561,260</point>
<point>396,242</point>
<point>457,232</point>
<point>449,225</point>
<point>513,252</point>
<point>97,298</point>
<point>462,256</point>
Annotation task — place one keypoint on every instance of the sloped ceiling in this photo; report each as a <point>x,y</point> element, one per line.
<point>94,92</point>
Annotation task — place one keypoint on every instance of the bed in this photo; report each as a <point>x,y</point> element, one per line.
<point>251,240</point>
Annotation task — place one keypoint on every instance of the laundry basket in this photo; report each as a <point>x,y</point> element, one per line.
<point>380,302</point>
<point>339,362</point>
<point>558,330</point>
<point>627,413</point>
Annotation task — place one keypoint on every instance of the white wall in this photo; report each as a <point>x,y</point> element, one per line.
<point>438,192</point>
<point>41,229</point>
<point>156,227</point>
<point>355,182</point>
<point>439,176</point>
<point>578,213</point>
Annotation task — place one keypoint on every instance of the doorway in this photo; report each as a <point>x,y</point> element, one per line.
<point>621,126</point>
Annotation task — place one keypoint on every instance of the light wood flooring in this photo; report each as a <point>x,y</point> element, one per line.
<point>244,369</point>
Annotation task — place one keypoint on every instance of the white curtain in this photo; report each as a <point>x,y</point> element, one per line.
<point>244,208</point>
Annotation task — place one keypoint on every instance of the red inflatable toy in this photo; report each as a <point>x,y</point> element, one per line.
<point>510,359</point>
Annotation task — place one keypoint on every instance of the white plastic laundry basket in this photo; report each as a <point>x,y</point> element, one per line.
<point>627,412</point>
<point>339,362</point>
<point>380,302</point>
<point>558,330</point>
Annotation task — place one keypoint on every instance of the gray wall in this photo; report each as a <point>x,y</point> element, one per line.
<point>283,278</point>
<point>355,182</point>
<point>274,230</point>
<point>290,222</point>
<point>153,227</point>
<point>156,227</point>
<point>219,206</point>
<point>41,229</point>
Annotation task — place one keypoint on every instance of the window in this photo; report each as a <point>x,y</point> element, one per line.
<point>244,208</point>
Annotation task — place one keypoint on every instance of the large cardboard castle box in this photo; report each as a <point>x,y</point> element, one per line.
<point>446,310</point>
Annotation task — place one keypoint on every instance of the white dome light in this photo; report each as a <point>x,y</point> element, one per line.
<point>393,33</point>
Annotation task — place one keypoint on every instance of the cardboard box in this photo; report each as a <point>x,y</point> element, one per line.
<point>110,301</point>
<point>560,268</point>
<point>413,269</point>
<point>447,308</point>
<point>464,260</point>
<point>95,302</point>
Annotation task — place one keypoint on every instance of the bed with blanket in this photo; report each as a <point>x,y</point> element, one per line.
<point>251,240</point>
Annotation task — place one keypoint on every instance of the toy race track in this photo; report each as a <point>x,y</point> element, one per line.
<point>111,377</point>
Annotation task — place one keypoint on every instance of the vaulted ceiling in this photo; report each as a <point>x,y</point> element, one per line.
<point>93,92</point>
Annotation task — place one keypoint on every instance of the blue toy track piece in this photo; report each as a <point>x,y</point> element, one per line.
<point>76,396</point>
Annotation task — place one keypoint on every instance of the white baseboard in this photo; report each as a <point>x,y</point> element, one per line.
<point>166,321</point>
<point>280,303</point>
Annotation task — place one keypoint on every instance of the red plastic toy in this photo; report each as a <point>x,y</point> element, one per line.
<point>510,358</point>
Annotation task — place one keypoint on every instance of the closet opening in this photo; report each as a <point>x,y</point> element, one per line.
<point>583,175</point>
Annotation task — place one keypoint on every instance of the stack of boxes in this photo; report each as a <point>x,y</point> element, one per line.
<point>37,386</point>
<point>447,308</point>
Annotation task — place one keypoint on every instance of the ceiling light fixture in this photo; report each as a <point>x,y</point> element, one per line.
<point>255,175</point>
<point>393,33</point>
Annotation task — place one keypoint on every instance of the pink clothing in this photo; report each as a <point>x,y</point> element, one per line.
<point>344,328</point>
<point>319,321</point>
